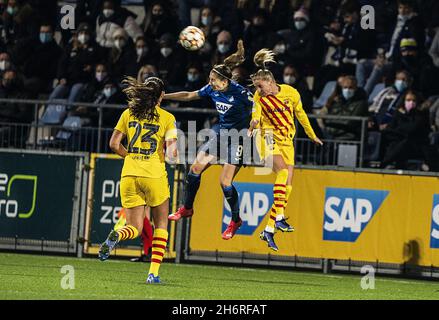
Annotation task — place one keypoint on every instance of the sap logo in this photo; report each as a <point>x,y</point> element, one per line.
<point>434,235</point>
<point>348,211</point>
<point>255,200</point>
<point>223,107</point>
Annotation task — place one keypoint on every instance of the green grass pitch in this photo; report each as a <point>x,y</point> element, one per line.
<point>24,276</point>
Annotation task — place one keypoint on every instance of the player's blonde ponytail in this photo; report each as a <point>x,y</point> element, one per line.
<point>261,59</point>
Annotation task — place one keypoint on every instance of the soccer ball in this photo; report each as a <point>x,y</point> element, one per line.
<point>192,38</point>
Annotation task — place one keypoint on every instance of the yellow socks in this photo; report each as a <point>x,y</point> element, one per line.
<point>279,195</point>
<point>127,232</point>
<point>159,241</point>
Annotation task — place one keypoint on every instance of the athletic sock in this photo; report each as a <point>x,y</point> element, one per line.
<point>158,250</point>
<point>231,196</point>
<point>192,185</point>
<point>289,188</point>
<point>127,232</point>
<point>279,191</point>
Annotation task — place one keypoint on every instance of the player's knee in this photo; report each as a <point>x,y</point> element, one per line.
<point>225,183</point>
<point>196,169</point>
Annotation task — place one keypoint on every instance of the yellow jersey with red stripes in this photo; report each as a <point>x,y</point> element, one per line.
<point>146,143</point>
<point>277,113</point>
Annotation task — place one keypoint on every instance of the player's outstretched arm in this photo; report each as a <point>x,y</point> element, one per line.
<point>182,96</point>
<point>116,143</point>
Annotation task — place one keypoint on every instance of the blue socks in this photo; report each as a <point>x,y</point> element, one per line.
<point>192,185</point>
<point>231,196</point>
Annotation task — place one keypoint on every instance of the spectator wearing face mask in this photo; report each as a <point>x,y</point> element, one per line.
<point>75,67</point>
<point>292,77</point>
<point>302,43</point>
<point>146,53</point>
<point>111,18</point>
<point>351,102</point>
<point>408,25</point>
<point>18,22</point>
<point>5,62</point>
<point>420,65</point>
<point>258,33</point>
<point>406,137</point>
<point>111,94</point>
<point>223,47</point>
<point>38,59</point>
<point>122,59</point>
<point>387,101</point>
<point>147,71</point>
<point>94,87</point>
<point>210,24</point>
<point>171,63</point>
<point>158,21</point>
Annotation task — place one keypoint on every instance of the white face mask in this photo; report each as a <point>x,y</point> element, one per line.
<point>141,51</point>
<point>119,43</point>
<point>108,92</point>
<point>166,51</point>
<point>4,64</point>
<point>83,38</point>
<point>279,49</point>
<point>300,25</point>
<point>223,48</point>
<point>108,12</point>
<point>290,79</point>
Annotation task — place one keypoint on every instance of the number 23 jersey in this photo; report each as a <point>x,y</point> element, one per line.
<point>146,143</point>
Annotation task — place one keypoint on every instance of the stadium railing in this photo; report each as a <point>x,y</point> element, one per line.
<point>53,128</point>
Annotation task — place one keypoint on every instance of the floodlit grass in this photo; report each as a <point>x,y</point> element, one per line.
<point>24,276</point>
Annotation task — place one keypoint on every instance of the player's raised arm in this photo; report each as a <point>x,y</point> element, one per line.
<point>182,96</point>
<point>304,121</point>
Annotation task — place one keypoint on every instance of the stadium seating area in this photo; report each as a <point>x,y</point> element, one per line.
<point>389,74</point>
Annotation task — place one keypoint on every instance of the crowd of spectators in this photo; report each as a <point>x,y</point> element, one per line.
<point>317,42</point>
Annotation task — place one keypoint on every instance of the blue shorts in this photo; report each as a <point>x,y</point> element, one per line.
<point>235,150</point>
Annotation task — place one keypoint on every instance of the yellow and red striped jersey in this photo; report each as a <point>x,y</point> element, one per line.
<point>277,112</point>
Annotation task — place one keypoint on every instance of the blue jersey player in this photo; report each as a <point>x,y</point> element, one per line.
<point>233,103</point>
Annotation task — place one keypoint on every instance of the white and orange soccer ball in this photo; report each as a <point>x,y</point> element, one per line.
<point>192,38</point>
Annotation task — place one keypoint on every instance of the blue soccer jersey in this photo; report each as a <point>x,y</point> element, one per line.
<point>234,105</point>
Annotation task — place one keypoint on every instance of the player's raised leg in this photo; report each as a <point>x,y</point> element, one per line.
<point>227,175</point>
<point>159,240</point>
<point>134,224</point>
<point>192,185</point>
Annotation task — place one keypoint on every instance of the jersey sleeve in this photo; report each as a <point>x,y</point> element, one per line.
<point>122,124</point>
<point>205,91</point>
<point>301,115</point>
<point>171,128</point>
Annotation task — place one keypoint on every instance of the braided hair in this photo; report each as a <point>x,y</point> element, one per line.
<point>143,97</point>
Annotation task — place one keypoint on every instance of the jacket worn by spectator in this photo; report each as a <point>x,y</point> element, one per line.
<point>347,129</point>
<point>76,64</point>
<point>14,112</point>
<point>122,18</point>
<point>37,59</point>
